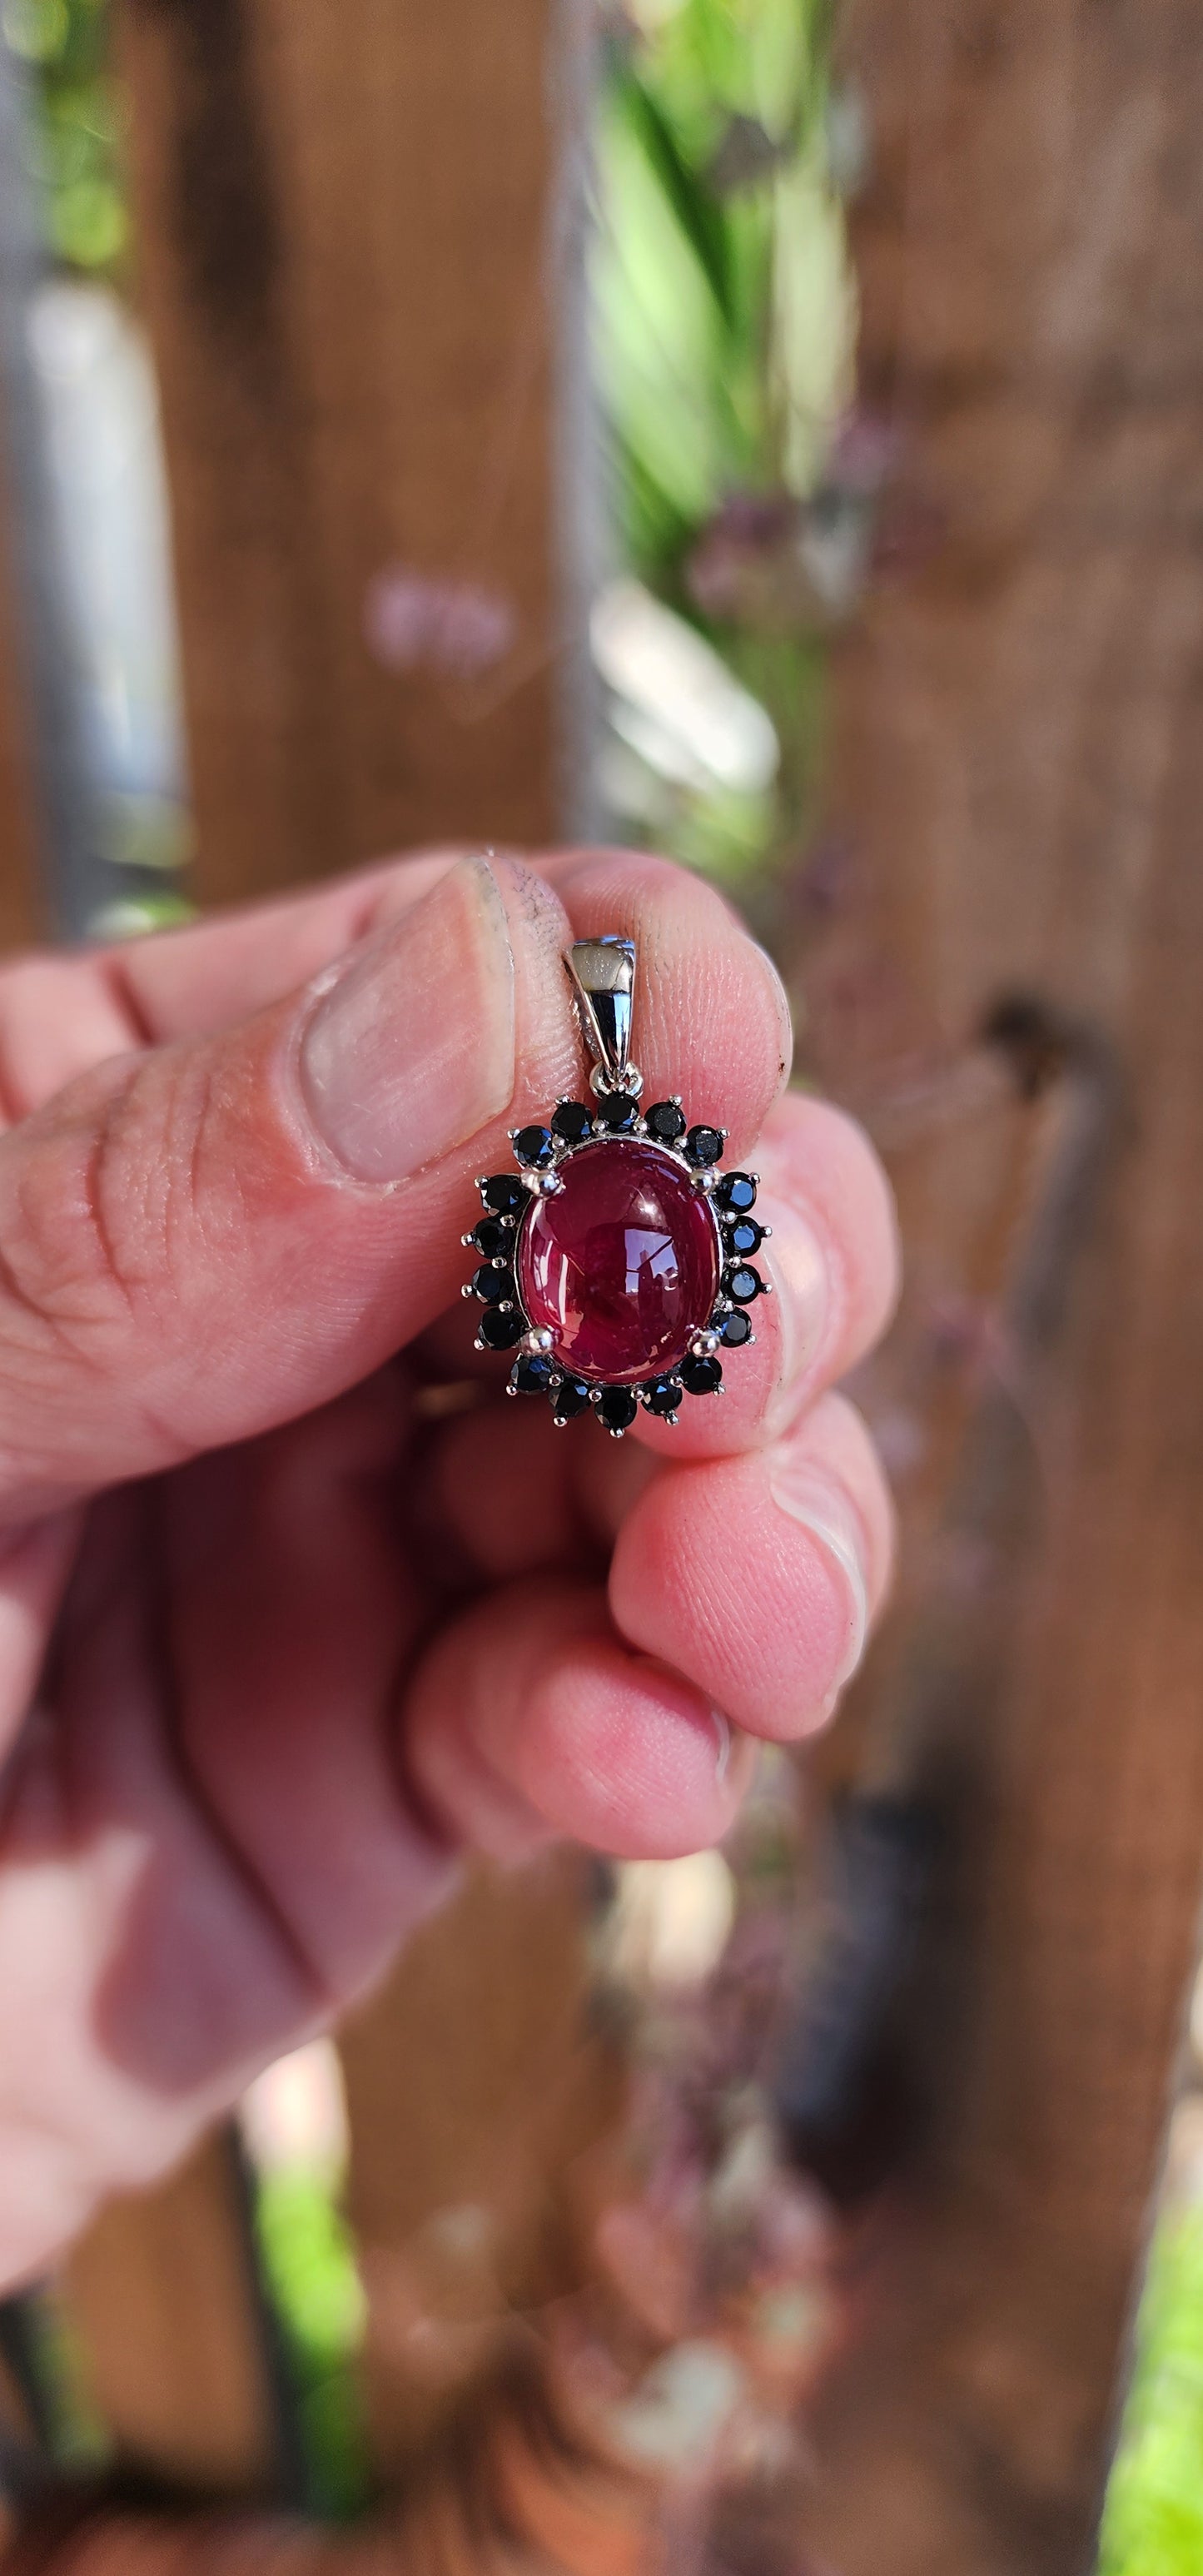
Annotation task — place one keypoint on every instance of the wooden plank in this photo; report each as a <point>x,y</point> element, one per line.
<point>347,251</point>
<point>1019,769</point>
<point>161,2295</point>
<point>473,2084</point>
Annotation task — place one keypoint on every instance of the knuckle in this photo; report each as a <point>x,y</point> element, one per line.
<point>87,1215</point>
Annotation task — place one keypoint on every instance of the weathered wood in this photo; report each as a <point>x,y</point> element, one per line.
<point>348,250</point>
<point>473,2084</point>
<point>1019,766</point>
<point>162,2297</point>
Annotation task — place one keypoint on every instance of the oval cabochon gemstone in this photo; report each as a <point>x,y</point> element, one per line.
<point>622,1264</point>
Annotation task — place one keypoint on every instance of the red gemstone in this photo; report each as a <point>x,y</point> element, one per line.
<point>622,1264</point>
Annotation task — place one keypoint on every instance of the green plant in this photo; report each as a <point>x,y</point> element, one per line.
<point>77,127</point>
<point>724,320</point>
<point>1153,2523</point>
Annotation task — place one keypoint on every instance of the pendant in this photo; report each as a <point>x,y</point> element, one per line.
<point>614,1263</point>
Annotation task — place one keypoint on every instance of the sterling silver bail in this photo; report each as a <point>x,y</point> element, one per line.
<point>603,974</point>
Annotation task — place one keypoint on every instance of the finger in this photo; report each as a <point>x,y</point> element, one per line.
<point>575,1488</point>
<point>141,1943</point>
<point>288,1610</point>
<point>712,1017</point>
<point>528,1717</point>
<point>205,1240</point>
<point>757,1576</point>
<point>35,1565</point>
<point>831,1260</point>
<point>64,1012</point>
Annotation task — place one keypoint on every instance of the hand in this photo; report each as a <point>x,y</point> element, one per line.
<point>282,1632</point>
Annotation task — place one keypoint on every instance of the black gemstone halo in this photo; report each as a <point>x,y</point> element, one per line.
<point>603,974</point>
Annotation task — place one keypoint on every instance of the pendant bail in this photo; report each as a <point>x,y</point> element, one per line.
<point>603,972</point>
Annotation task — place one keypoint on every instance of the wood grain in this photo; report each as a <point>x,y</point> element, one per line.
<point>348,253</point>
<point>474,2083</point>
<point>161,2296</point>
<point>1018,770</point>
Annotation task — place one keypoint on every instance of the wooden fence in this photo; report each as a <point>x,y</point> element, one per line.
<point>356,249</point>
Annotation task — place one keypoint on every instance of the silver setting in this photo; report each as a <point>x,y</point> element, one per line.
<point>603,972</point>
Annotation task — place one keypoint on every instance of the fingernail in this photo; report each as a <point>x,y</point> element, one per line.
<point>796,1264</point>
<point>411,1046</point>
<point>821,1509</point>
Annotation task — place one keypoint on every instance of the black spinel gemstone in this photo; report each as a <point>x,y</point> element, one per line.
<point>532,1374</point>
<point>618,1112</point>
<point>572,1122</point>
<point>701,1376</point>
<point>703,1146</point>
<point>571,1397</point>
<point>504,1193</point>
<point>743,1283</point>
<point>493,1240</point>
<point>734,1330</point>
<point>617,1407</point>
<point>665,1120</point>
<point>745,1236</point>
<point>662,1395</point>
<point>499,1332</point>
<point>492,1284</point>
<point>535,1147</point>
<point>735,1193</point>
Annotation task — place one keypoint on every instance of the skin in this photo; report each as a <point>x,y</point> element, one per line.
<point>286,1629</point>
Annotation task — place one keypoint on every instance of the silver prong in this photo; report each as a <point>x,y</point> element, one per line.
<point>467,1241</point>
<point>480,1180</point>
<point>615,1433</point>
<point>467,1290</point>
<point>766,1288</point>
<point>765,1232</point>
<point>511,1390</point>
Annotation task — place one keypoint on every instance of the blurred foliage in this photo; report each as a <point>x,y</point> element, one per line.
<point>724,318</point>
<point>1153,2523</point>
<point>721,279</point>
<point>309,2263</point>
<point>78,128</point>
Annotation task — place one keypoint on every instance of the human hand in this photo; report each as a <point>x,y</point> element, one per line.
<point>282,1630</point>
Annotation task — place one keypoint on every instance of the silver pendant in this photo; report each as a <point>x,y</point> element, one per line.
<point>615,1261</point>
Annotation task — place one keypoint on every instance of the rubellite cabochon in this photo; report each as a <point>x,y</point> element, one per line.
<point>614,1263</point>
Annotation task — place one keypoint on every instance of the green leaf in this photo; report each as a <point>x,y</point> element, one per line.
<point>701,220</point>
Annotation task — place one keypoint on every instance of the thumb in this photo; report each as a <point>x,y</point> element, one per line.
<point>207,1239</point>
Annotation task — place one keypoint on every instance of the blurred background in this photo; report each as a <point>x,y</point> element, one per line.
<point>768,431</point>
